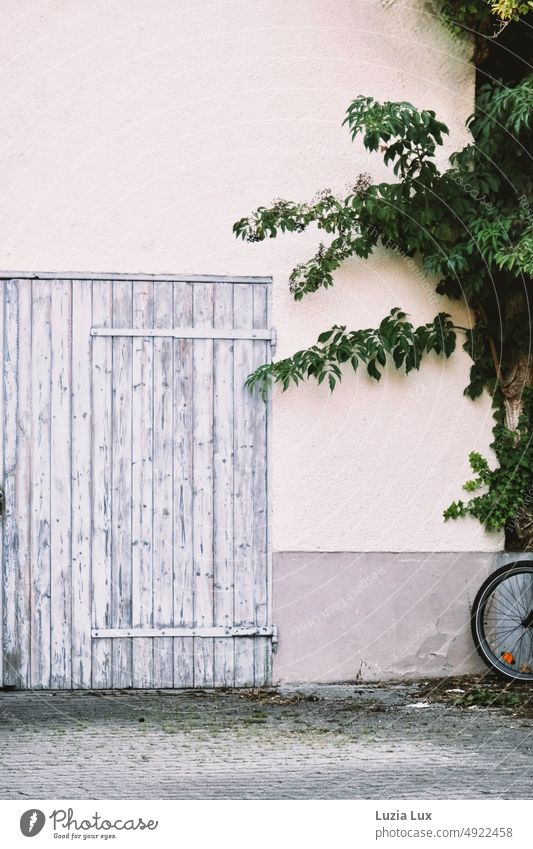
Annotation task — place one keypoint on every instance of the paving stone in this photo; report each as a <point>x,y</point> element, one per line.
<point>312,742</point>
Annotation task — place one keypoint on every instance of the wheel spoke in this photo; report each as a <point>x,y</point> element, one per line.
<point>504,635</point>
<point>514,602</point>
<point>521,593</point>
<point>502,604</point>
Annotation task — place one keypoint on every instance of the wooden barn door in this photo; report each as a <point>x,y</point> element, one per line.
<point>135,548</point>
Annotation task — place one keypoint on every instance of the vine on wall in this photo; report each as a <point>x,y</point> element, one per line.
<point>471,226</point>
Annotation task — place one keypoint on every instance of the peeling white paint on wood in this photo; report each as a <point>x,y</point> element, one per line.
<point>203,306</point>
<point>60,485</point>
<point>243,503</point>
<point>142,491</point>
<point>225,633</point>
<point>122,490</point>
<point>134,466</point>
<point>183,486</point>
<point>101,452</point>
<point>9,455</point>
<point>41,351</point>
<point>17,483</point>
<point>262,653</point>
<point>81,483</point>
<point>2,477</point>
<point>163,481</point>
<point>223,554</point>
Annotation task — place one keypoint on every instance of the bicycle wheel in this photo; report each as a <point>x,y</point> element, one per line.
<point>502,621</point>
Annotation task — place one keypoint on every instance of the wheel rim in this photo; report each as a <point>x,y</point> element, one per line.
<point>504,624</point>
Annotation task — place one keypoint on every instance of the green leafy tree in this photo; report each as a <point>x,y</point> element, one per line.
<point>472,227</point>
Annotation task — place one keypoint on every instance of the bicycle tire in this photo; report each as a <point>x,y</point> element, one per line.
<point>502,621</point>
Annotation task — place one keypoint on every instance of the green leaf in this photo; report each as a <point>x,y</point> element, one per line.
<point>381,357</point>
<point>372,370</point>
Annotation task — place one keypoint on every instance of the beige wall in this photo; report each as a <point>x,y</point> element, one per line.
<point>136,131</point>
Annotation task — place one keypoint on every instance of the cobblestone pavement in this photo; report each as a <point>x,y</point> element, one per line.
<point>306,743</point>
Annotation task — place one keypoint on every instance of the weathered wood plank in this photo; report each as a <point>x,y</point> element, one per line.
<point>2,480</point>
<point>142,484</point>
<point>183,482</point>
<point>17,482</point>
<point>223,487</point>
<point>81,483</point>
<point>260,354</point>
<point>183,487</point>
<point>203,301</point>
<point>102,491</point>
<point>121,600</point>
<point>10,538</point>
<point>40,484</point>
<point>243,489</point>
<point>163,471</point>
<point>270,349</point>
<point>24,498</point>
<point>60,486</point>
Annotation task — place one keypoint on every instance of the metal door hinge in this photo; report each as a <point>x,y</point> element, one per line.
<point>2,501</point>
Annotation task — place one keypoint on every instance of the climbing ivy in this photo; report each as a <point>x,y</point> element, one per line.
<point>504,494</point>
<point>471,226</point>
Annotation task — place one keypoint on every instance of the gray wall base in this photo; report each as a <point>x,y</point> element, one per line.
<point>376,616</point>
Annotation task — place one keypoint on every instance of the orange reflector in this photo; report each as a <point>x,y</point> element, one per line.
<point>507,656</point>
